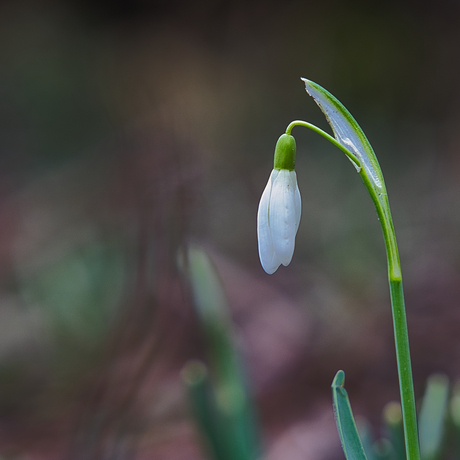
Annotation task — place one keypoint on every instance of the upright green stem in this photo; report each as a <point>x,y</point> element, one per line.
<point>382,206</point>
<point>404,370</point>
<point>406,385</point>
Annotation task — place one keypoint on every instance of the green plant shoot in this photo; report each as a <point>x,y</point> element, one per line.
<point>277,226</point>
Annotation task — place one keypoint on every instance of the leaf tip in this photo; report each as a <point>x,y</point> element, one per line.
<point>339,380</point>
<point>307,84</point>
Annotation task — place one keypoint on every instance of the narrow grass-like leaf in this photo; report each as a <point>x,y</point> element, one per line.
<point>195,376</point>
<point>346,426</point>
<point>433,416</point>
<point>228,402</point>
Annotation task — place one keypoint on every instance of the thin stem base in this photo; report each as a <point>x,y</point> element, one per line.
<point>404,370</point>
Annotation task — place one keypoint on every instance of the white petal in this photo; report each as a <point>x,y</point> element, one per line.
<point>282,215</point>
<point>267,255</point>
<point>297,204</point>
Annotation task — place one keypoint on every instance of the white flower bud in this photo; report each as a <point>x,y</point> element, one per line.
<point>278,219</point>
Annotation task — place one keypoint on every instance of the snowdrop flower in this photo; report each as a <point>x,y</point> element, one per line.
<point>279,211</point>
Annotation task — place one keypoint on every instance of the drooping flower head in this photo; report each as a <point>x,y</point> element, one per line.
<point>279,211</point>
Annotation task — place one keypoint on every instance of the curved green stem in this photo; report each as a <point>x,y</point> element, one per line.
<point>350,155</point>
<point>382,206</point>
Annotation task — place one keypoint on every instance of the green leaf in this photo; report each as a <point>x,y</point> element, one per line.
<point>433,416</point>
<point>195,376</point>
<point>346,426</point>
<point>348,133</point>
<point>223,405</point>
<point>213,313</point>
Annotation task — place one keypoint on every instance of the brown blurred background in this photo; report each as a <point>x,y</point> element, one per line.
<point>129,128</point>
